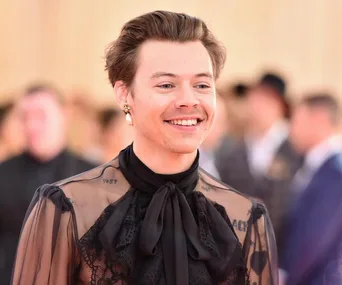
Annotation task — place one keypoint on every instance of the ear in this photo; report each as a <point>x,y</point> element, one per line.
<point>121,92</point>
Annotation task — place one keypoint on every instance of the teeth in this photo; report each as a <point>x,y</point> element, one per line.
<point>184,122</point>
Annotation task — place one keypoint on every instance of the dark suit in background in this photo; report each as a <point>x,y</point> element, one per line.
<point>272,188</point>
<point>20,176</point>
<point>313,252</point>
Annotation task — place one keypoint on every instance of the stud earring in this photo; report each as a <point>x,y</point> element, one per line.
<point>128,115</point>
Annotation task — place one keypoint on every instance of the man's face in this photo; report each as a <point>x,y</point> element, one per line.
<point>12,133</point>
<point>43,122</point>
<point>219,128</point>
<point>174,97</point>
<point>302,128</point>
<point>262,105</point>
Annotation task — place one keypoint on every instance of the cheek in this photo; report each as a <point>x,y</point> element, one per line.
<point>146,119</point>
<point>209,108</point>
<point>301,131</point>
<point>149,110</point>
<point>253,106</point>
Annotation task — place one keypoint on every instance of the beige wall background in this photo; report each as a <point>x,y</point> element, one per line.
<point>63,41</point>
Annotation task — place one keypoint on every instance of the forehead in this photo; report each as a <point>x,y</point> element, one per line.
<point>39,100</point>
<point>182,59</point>
<point>302,111</point>
<point>262,92</point>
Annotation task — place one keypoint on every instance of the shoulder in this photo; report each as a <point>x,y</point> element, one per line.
<point>211,186</point>
<point>87,194</point>
<point>104,182</point>
<point>330,173</point>
<point>11,162</point>
<point>238,206</point>
<point>332,167</point>
<point>338,164</point>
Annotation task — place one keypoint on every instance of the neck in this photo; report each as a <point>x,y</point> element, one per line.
<point>46,156</point>
<point>162,161</point>
<point>110,152</point>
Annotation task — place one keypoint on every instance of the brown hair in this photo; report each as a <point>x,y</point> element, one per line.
<point>38,87</point>
<point>121,56</point>
<point>326,102</point>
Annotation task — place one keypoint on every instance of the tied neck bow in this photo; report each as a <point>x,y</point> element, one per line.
<point>170,219</point>
<point>163,232</point>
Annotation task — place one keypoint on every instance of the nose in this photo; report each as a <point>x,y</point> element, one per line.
<point>186,98</point>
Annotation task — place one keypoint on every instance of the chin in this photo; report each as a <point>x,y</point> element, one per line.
<point>184,147</point>
<point>299,148</point>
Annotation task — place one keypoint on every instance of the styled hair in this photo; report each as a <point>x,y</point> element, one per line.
<point>35,88</point>
<point>326,102</point>
<point>121,55</point>
<point>5,109</point>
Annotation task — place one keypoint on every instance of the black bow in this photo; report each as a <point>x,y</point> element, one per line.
<point>167,233</point>
<point>169,219</point>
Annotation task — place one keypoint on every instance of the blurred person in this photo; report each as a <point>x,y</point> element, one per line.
<point>45,160</point>
<point>314,226</point>
<point>11,135</point>
<point>234,97</point>
<point>210,146</point>
<point>149,216</point>
<point>115,134</point>
<point>262,164</point>
<point>83,129</point>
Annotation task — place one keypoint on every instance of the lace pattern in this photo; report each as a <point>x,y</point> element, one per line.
<point>132,267</point>
<point>163,230</point>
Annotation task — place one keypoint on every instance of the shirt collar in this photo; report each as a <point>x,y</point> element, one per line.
<point>276,133</point>
<point>321,152</point>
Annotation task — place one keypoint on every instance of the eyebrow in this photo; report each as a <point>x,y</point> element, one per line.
<point>163,74</point>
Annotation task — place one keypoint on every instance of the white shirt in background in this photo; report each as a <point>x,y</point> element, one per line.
<point>261,152</point>
<point>207,162</point>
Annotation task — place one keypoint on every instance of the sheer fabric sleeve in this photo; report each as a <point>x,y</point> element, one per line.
<point>260,248</point>
<point>46,251</point>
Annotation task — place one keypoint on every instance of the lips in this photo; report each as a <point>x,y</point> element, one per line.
<point>188,122</point>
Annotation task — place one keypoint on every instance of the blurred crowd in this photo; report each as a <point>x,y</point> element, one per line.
<point>285,153</point>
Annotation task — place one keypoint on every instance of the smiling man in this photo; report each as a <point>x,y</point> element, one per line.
<point>151,215</point>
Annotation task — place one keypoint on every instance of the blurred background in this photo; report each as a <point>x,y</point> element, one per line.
<point>279,52</point>
<point>64,41</point>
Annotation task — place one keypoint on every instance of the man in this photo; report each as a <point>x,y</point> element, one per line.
<point>11,138</point>
<point>313,252</point>
<point>83,131</point>
<point>263,163</point>
<point>234,96</point>
<point>45,160</point>
<point>149,216</point>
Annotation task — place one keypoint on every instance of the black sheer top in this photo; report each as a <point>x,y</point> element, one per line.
<point>121,223</point>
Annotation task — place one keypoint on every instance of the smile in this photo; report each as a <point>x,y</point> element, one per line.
<point>192,122</point>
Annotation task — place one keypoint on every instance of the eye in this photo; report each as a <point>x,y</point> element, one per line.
<point>166,86</point>
<point>202,86</point>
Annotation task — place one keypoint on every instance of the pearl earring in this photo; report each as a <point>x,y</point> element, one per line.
<point>128,115</point>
